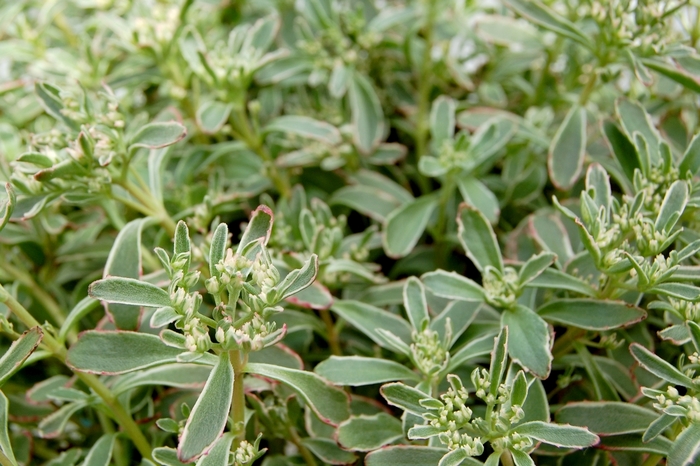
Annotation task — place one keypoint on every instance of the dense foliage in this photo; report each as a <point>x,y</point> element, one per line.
<point>379,232</point>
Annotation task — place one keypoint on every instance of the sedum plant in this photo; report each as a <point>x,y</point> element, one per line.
<point>370,232</point>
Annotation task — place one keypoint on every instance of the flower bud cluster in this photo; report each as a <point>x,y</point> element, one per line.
<point>248,337</point>
<point>430,354</point>
<point>502,289</point>
<point>454,440</point>
<point>512,441</point>
<point>196,336</point>
<point>666,401</point>
<point>245,454</point>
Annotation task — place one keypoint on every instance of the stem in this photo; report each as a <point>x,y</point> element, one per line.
<point>149,205</point>
<point>590,85</point>
<point>333,342</point>
<point>563,345</point>
<point>303,451</point>
<point>424,83</point>
<point>45,299</point>
<point>59,351</point>
<point>252,140</point>
<point>506,459</point>
<point>652,460</point>
<point>239,361</point>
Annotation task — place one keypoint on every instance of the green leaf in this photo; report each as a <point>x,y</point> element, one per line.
<point>52,425</point>
<point>359,370</point>
<point>179,375</point>
<point>328,402</point>
<point>7,205</point>
<point>622,148</point>
<point>568,148</point>
<point>212,116</point>
<point>530,340</point>
<point>672,206</point>
<point>182,242</point>
<point>607,417</point>
<point>167,456</point>
<point>694,330</point>
<point>405,455</point>
<point>299,279</point>
<point>658,426</point>
<point>5,444</point>
<point>158,134</point>
<point>691,159</point>
<point>635,119</point>
<point>306,127</point>
<point>219,454</point>
<point>520,458</point>
<point>558,435</point>
<point>125,261</point>
<point>541,14</point>
<point>535,266</point>
<point>50,100</point>
<point>677,290</point>
<point>591,314</point>
<point>499,357</point>
<point>460,313</point>
<point>340,77</point>
<point>405,225</point>
<point>210,413</point>
<point>442,121</point>
<point>452,285</point>
<point>674,73</point>
<point>258,229</point>
<point>328,451</point>
<point>82,309</point>
<point>475,348</point>
<point>478,239</point>
<point>404,397</point>
<point>367,115</point>
<point>129,291</point>
<point>519,389</point>
<point>217,251</point>
<point>632,443</point>
<point>686,447</point>
<point>454,458</point>
<point>368,200</point>
<point>598,186</point>
<point>659,367</point>
<point>415,303</point>
<point>18,352</point>
<point>101,452</point>
<point>367,433</point>
<point>369,319</point>
<point>552,278</point>
<point>116,352</point>
<point>475,193</point>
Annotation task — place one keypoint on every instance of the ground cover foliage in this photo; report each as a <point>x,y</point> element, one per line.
<point>374,232</point>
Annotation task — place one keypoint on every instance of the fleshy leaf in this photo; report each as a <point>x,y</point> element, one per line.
<point>568,149</point>
<point>359,370</point>
<point>405,226</point>
<point>591,314</point>
<point>116,352</point>
<point>478,239</point>
<point>158,134</point>
<point>367,433</point>
<point>129,291</point>
<point>18,352</point>
<point>607,417</point>
<point>529,342</point>
<point>306,127</point>
<point>328,402</point>
<point>210,413</point>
